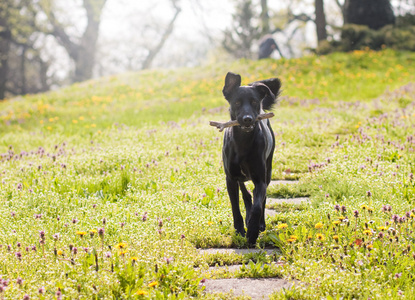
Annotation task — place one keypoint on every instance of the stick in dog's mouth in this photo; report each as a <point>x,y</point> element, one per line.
<point>221,126</point>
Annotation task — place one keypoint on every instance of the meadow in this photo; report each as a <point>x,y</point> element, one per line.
<point>109,187</point>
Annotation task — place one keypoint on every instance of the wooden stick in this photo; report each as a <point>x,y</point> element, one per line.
<point>222,126</point>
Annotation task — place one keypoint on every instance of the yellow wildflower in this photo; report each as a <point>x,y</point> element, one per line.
<point>364,206</point>
<point>335,237</point>
<point>134,258</point>
<point>319,225</point>
<point>382,228</point>
<point>282,226</point>
<point>60,252</point>
<point>122,252</point>
<point>121,246</point>
<point>367,232</point>
<point>141,293</point>
<point>294,237</point>
<point>320,237</point>
<point>81,233</point>
<point>337,222</point>
<point>153,284</point>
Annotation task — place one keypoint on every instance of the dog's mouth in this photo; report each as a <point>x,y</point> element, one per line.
<point>248,128</point>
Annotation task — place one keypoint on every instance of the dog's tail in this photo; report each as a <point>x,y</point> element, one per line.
<point>274,84</point>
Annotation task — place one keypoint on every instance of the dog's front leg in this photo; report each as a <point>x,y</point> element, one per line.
<point>247,200</point>
<point>233,192</point>
<point>256,211</point>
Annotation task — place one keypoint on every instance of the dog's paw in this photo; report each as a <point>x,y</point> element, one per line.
<point>252,237</point>
<point>242,232</point>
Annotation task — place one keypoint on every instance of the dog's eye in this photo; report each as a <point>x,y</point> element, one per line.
<point>238,103</point>
<point>254,103</point>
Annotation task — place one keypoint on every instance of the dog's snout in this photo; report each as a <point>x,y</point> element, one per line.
<point>247,119</point>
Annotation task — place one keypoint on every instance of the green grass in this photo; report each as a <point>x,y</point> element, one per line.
<point>133,157</point>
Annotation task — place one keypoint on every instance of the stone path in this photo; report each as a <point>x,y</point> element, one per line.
<point>234,250</point>
<point>297,201</point>
<point>259,288</point>
<point>251,287</point>
<point>274,182</point>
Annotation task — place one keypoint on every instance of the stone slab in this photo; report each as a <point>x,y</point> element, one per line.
<point>234,250</point>
<point>257,289</point>
<point>299,200</point>
<point>273,182</point>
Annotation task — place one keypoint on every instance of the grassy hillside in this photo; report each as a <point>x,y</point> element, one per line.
<point>108,187</point>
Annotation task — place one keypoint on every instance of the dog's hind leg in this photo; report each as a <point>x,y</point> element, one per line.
<point>247,200</point>
<point>233,192</point>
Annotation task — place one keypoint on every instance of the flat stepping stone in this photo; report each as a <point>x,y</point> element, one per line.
<point>257,289</point>
<point>283,182</point>
<point>234,250</point>
<point>235,268</point>
<point>299,200</point>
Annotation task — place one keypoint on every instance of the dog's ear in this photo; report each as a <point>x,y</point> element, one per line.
<point>267,96</point>
<point>232,82</point>
<point>274,84</point>
<point>263,90</point>
<point>269,90</point>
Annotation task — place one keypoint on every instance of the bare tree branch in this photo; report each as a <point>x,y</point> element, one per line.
<point>153,52</point>
<point>63,38</point>
<point>221,126</point>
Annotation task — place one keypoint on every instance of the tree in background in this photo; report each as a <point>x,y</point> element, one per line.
<point>238,39</point>
<point>152,52</point>
<point>288,21</point>
<point>373,13</point>
<point>23,69</point>
<point>264,16</point>
<point>81,49</point>
<point>5,41</point>
<point>320,20</point>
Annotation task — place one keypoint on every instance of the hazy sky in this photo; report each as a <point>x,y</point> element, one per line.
<point>216,14</point>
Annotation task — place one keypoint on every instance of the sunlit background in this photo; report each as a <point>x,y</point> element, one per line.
<point>45,44</point>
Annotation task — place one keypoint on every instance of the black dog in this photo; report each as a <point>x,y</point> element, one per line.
<point>248,149</point>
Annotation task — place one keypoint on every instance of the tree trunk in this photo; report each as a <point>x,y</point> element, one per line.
<point>373,13</point>
<point>23,85</point>
<point>83,53</point>
<point>320,21</point>
<point>85,60</point>
<point>264,17</point>
<point>5,39</point>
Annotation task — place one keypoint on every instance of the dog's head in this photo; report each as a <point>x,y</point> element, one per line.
<point>247,102</point>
